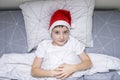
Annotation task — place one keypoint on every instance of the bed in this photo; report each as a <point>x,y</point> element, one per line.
<point>105,33</point>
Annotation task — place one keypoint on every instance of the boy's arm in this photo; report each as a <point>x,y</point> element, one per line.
<point>37,71</point>
<point>85,62</point>
<point>68,69</point>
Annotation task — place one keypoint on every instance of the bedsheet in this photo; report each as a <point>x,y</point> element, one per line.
<point>18,66</point>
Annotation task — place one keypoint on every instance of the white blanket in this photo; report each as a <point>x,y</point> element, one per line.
<point>18,66</point>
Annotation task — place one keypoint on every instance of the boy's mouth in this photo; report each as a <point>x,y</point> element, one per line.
<point>62,41</point>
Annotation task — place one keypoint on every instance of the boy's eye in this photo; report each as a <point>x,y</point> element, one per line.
<point>56,32</point>
<point>66,32</point>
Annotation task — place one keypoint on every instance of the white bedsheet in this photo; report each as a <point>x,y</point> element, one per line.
<point>18,66</point>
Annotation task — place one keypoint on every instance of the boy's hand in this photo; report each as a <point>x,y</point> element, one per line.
<point>65,70</point>
<point>54,73</point>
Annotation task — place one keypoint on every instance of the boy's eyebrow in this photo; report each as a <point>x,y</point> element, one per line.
<point>66,30</point>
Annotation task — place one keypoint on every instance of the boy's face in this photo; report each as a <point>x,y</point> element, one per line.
<point>60,35</point>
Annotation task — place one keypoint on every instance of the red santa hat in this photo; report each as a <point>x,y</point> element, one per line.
<point>60,17</point>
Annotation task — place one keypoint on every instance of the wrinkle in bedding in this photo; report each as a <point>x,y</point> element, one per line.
<point>18,66</point>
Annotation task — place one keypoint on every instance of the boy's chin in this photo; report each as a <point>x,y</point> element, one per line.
<point>61,43</point>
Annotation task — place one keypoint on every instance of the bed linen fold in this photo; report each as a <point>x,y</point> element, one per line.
<point>18,66</point>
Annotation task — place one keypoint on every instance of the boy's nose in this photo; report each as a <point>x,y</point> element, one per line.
<point>61,36</point>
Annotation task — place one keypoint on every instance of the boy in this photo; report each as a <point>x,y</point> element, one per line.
<point>62,56</point>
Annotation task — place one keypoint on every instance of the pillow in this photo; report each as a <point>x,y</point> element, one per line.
<point>37,16</point>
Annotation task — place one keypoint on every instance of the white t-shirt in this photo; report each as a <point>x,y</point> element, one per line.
<point>53,56</point>
<point>56,55</point>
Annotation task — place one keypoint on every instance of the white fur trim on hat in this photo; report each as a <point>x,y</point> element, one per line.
<point>60,22</point>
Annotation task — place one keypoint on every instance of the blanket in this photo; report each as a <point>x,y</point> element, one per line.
<point>18,66</point>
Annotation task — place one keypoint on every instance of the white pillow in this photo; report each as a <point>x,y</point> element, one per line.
<point>37,16</point>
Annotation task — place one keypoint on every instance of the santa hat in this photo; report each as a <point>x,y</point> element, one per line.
<point>60,17</point>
